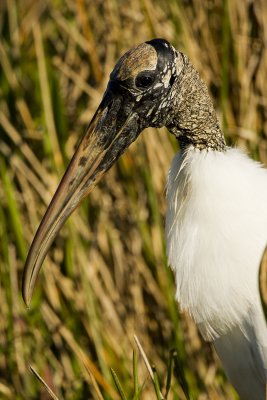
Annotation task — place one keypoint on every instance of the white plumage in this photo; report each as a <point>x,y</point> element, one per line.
<point>216,230</point>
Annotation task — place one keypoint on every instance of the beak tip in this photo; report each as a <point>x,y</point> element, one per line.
<point>26,297</point>
<point>26,289</point>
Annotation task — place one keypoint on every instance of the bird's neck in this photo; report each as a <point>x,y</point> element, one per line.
<point>194,120</point>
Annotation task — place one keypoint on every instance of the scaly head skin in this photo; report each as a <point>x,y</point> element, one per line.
<point>151,85</point>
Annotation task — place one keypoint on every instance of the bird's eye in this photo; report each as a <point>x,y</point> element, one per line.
<point>144,80</point>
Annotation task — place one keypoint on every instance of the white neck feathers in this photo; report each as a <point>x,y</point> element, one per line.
<point>217,211</point>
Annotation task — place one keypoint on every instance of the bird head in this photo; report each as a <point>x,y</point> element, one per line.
<point>142,81</point>
<point>139,94</point>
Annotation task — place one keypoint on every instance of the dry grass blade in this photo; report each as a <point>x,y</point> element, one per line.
<point>95,386</point>
<point>83,358</point>
<point>151,370</point>
<point>48,389</point>
<point>143,354</point>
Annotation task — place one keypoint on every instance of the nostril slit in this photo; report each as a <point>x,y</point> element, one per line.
<point>172,80</point>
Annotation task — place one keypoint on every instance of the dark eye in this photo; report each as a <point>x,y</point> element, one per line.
<point>144,80</point>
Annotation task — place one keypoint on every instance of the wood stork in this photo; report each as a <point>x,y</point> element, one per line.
<point>216,224</point>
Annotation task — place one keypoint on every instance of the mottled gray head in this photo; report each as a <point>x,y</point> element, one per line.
<point>145,76</point>
<point>151,85</point>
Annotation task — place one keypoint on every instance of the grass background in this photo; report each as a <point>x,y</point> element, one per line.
<point>106,277</point>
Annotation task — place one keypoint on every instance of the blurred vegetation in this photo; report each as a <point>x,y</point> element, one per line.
<point>106,278</point>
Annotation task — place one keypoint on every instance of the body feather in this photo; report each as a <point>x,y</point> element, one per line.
<point>216,230</point>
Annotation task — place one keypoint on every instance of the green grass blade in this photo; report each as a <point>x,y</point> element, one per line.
<point>14,212</point>
<point>169,373</point>
<point>118,384</point>
<point>156,384</point>
<point>135,375</point>
<point>180,375</point>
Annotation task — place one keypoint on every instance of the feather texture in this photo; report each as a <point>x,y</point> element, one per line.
<point>216,230</point>
<point>243,353</point>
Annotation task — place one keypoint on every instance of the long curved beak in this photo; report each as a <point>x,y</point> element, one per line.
<point>112,129</point>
